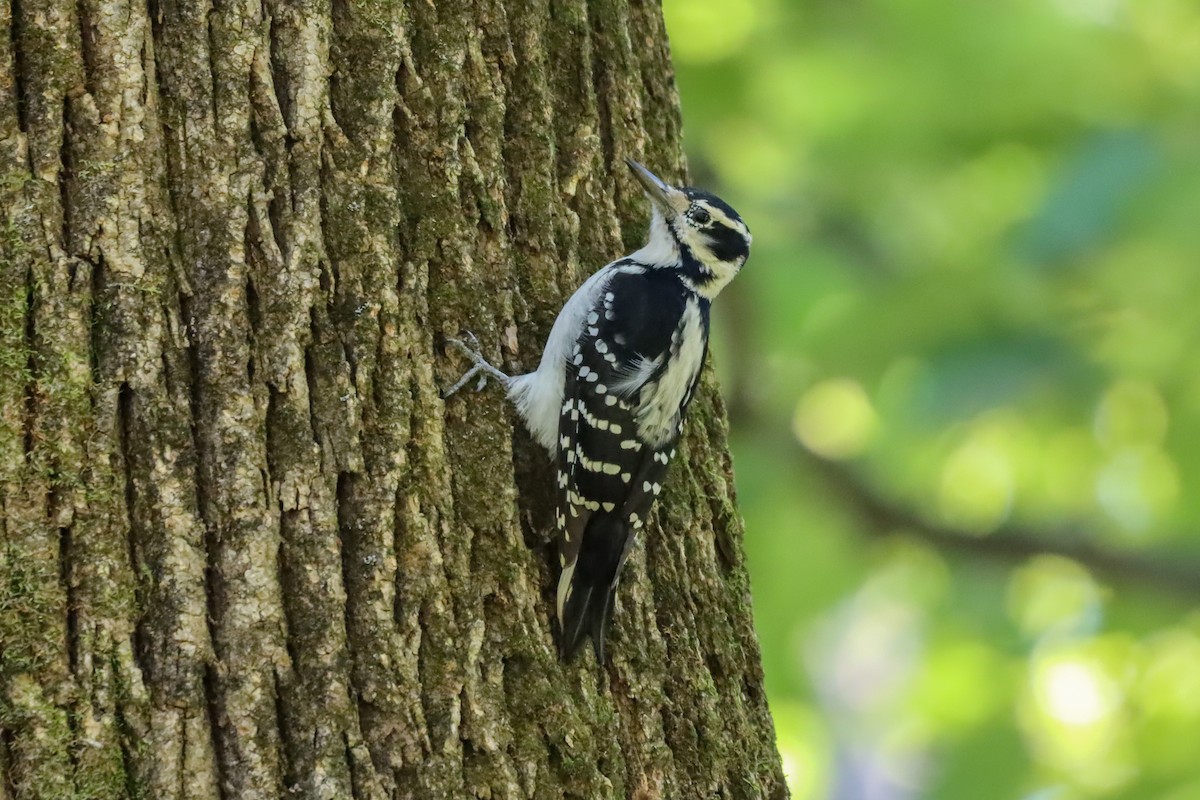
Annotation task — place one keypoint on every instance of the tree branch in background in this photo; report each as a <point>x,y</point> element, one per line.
<point>1179,576</point>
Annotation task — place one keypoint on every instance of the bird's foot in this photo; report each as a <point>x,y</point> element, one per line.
<point>481,366</point>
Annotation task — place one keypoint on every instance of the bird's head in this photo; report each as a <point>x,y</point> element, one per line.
<point>694,231</point>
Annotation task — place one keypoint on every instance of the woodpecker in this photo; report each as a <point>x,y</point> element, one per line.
<point>611,392</point>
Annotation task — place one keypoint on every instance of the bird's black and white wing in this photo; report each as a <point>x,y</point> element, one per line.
<point>628,382</point>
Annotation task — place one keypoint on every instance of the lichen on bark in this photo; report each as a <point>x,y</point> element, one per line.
<point>245,549</point>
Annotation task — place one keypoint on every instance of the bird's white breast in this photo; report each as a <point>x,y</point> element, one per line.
<point>660,401</point>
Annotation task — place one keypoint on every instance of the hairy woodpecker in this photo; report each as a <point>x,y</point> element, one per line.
<point>616,377</point>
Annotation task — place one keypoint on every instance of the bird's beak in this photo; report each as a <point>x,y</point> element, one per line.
<point>669,200</point>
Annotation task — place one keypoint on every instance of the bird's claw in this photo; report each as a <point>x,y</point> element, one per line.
<point>480,365</point>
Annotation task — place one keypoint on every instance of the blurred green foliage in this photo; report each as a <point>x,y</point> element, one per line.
<point>975,288</point>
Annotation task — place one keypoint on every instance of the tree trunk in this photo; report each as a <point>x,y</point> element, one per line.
<point>247,551</point>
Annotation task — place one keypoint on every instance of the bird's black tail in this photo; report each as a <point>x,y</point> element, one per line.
<point>591,584</point>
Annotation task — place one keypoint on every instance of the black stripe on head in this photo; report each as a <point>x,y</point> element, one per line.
<point>727,244</point>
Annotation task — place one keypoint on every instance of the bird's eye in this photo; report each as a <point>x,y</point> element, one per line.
<point>700,216</point>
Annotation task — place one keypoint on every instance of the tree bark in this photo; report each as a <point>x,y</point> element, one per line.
<point>247,551</point>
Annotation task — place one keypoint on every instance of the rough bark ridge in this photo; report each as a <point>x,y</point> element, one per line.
<point>245,550</point>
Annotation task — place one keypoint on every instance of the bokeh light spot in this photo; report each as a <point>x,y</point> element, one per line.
<point>976,489</point>
<point>1051,594</point>
<point>708,30</point>
<point>1075,693</point>
<point>1137,485</point>
<point>1075,712</point>
<point>835,418</point>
